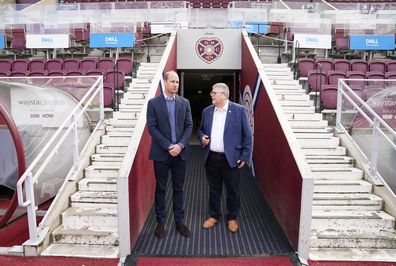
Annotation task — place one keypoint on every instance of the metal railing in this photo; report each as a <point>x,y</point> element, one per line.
<point>379,128</point>
<point>29,178</point>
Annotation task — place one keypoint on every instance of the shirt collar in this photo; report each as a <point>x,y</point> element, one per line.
<point>225,107</point>
<point>169,97</point>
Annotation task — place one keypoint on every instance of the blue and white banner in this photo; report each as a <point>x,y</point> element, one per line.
<point>111,40</point>
<point>251,26</point>
<point>2,41</point>
<point>313,41</point>
<point>47,40</point>
<point>372,42</point>
<point>164,27</point>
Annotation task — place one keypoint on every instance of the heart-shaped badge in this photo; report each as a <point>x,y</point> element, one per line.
<point>209,49</point>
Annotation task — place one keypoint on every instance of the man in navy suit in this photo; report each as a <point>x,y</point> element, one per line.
<point>226,134</point>
<point>170,125</point>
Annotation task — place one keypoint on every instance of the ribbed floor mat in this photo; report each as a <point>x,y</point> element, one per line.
<point>259,236</point>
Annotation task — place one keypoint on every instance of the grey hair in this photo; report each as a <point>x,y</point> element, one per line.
<point>224,87</point>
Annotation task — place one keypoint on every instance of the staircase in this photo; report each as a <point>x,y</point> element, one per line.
<point>89,227</point>
<point>348,222</point>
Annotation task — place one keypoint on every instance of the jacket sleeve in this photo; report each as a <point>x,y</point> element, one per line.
<point>153,127</point>
<point>188,124</point>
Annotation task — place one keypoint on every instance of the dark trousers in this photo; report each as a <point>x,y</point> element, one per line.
<point>177,168</point>
<point>218,171</point>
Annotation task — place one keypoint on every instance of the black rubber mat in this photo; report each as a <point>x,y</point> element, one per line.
<point>259,236</point>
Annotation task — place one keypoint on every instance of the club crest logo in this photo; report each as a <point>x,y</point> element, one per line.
<point>209,49</point>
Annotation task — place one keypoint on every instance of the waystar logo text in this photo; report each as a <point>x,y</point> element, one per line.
<point>111,40</point>
<point>47,39</point>
<point>372,42</point>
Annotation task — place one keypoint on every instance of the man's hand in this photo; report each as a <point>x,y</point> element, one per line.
<point>174,150</point>
<point>205,140</point>
<point>240,163</point>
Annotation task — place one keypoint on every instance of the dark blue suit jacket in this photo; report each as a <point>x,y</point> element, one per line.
<point>237,133</point>
<point>159,126</point>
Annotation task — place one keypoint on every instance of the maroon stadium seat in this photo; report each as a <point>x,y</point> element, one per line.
<point>356,83</point>
<point>71,64</point>
<point>359,65</point>
<point>125,65</point>
<point>326,63</point>
<point>316,79</point>
<point>54,64</point>
<point>342,65</point>
<point>105,64</point>
<point>377,65</point>
<point>305,65</point>
<point>328,96</point>
<point>87,64</point>
<point>375,75</point>
<point>5,65</point>
<point>36,65</point>
<point>334,75</point>
<point>20,65</point>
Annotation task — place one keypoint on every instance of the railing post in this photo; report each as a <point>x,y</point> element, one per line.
<point>339,106</point>
<point>101,101</point>
<point>75,140</point>
<point>31,208</point>
<point>374,151</point>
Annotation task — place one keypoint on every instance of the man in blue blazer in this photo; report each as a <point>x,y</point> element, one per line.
<point>170,125</point>
<point>226,134</point>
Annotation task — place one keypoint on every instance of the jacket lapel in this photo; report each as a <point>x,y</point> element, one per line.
<point>228,116</point>
<point>164,110</point>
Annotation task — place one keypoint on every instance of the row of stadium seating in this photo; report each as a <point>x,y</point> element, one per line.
<point>328,95</point>
<point>344,65</point>
<point>317,79</point>
<point>67,65</point>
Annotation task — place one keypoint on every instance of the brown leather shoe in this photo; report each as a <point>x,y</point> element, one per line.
<point>233,226</point>
<point>209,223</point>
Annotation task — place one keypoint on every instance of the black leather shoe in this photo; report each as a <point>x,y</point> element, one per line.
<point>159,231</point>
<point>183,230</point>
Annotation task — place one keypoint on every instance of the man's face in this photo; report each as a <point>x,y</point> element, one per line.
<point>171,84</point>
<point>218,96</point>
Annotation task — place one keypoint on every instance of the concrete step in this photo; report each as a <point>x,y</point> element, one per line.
<point>351,220</point>
<point>330,142</point>
<point>133,102</point>
<point>285,82</point>
<point>119,133</point>
<point>110,148</point>
<point>306,103</point>
<point>291,87</point>
<point>278,74</point>
<point>135,95</point>
<point>108,158</point>
<point>110,128</point>
<point>279,78</point>
<point>98,184</point>
<point>90,217</point>
<point>313,130</point>
<point>304,117</point>
<point>122,122</point>
<point>94,199</point>
<point>316,135</point>
<point>352,254</point>
<point>103,171</point>
<point>342,186</point>
<point>289,92</point>
<point>273,66</point>
<point>298,109</point>
<point>346,201</point>
<point>309,124</point>
<point>127,114</point>
<point>292,97</point>
<point>73,250</point>
<point>139,80</point>
<point>329,161</point>
<point>324,151</point>
<point>128,105</point>
<point>336,173</point>
<point>85,236</point>
<point>116,140</point>
<point>354,239</point>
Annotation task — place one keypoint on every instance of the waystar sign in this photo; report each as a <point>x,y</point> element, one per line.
<point>111,40</point>
<point>47,40</point>
<point>372,42</point>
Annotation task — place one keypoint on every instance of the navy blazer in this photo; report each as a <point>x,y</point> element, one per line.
<point>159,126</point>
<point>237,133</point>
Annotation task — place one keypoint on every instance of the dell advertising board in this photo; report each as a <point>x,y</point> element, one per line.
<point>111,40</point>
<point>372,42</point>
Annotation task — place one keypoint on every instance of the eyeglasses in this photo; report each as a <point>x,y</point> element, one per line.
<point>213,93</point>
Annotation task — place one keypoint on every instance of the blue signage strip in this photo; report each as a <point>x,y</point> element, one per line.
<point>2,41</point>
<point>111,40</point>
<point>372,42</point>
<point>251,26</point>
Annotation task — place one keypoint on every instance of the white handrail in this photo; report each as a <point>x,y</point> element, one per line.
<point>28,179</point>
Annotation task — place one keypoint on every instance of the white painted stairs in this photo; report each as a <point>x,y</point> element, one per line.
<point>90,225</point>
<point>348,222</point>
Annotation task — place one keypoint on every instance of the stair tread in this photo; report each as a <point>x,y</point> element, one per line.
<point>74,250</point>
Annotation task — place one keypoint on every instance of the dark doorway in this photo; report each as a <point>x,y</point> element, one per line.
<point>196,86</point>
